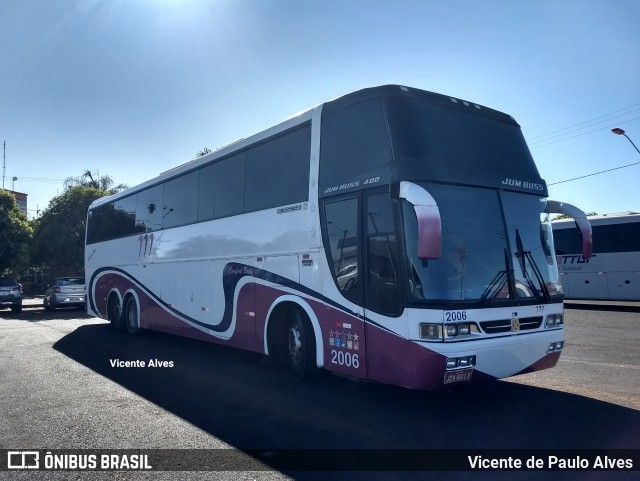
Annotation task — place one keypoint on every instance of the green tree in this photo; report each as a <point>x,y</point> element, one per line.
<point>15,233</point>
<point>58,237</point>
<point>96,181</point>
<point>565,216</point>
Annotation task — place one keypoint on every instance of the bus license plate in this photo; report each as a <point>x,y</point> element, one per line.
<point>457,376</point>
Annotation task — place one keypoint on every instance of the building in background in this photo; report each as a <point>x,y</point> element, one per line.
<point>21,198</point>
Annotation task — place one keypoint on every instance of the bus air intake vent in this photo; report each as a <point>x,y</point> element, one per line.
<point>504,325</point>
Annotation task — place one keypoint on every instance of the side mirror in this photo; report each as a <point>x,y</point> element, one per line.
<point>428,215</point>
<point>555,207</point>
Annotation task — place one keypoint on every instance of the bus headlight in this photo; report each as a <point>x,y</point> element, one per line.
<point>431,332</point>
<point>554,320</point>
<point>464,329</point>
<point>439,332</point>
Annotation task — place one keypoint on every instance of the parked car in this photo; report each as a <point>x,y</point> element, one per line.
<point>65,292</point>
<point>10,293</point>
<point>347,277</point>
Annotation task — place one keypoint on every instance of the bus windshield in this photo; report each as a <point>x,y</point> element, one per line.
<point>494,248</point>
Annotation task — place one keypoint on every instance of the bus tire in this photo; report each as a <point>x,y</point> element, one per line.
<point>114,312</point>
<point>300,346</point>
<point>131,317</point>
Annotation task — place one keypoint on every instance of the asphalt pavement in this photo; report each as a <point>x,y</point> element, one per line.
<point>61,388</point>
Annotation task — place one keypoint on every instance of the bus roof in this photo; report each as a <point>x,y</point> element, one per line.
<point>395,90</point>
<point>384,91</point>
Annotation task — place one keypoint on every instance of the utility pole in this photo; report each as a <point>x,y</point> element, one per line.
<point>4,160</point>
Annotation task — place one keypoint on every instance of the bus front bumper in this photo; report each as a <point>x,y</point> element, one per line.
<point>496,358</point>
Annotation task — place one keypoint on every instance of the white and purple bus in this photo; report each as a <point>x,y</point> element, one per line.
<point>391,234</point>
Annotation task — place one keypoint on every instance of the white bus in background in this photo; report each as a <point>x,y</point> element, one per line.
<point>391,234</point>
<point>613,272</point>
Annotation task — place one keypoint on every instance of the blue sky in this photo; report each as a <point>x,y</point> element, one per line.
<point>131,88</point>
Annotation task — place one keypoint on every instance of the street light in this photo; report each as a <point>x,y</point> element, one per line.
<point>618,131</point>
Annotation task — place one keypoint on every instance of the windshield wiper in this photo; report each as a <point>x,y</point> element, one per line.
<point>498,282</point>
<point>523,256</point>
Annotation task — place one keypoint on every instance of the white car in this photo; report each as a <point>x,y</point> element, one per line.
<point>65,292</point>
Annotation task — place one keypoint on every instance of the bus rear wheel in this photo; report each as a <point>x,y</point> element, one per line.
<point>300,346</point>
<point>131,317</point>
<point>114,312</point>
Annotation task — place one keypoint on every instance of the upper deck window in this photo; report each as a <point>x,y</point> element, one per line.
<point>454,143</point>
<point>278,171</point>
<point>271,173</point>
<point>221,188</point>
<point>354,145</point>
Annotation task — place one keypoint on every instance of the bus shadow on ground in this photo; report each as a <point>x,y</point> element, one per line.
<point>249,403</point>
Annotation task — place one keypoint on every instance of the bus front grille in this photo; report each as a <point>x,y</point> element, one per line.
<point>505,325</point>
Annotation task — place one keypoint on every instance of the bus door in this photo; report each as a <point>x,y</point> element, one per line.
<point>383,300</point>
<point>381,251</point>
<point>345,341</point>
<point>361,240</point>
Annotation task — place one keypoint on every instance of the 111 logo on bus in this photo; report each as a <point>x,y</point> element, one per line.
<point>146,241</point>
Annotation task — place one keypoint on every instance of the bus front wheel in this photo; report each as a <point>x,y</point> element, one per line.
<point>301,346</point>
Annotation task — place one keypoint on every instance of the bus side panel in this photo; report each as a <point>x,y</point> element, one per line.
<point>232,322</point>
<point>184,286</point>
<point>624,286</point>
<point>271,269</point>
<point>586,285</point>
<point>244,323</point>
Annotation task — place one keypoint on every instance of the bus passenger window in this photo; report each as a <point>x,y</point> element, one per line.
<point>149,203</point>
<point>180,201</point>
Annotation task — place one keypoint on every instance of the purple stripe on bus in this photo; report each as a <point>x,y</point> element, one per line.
<point>346,339</point>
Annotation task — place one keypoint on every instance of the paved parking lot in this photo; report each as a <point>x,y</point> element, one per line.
<point>61,390</point>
